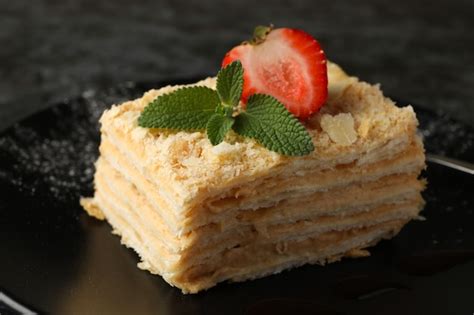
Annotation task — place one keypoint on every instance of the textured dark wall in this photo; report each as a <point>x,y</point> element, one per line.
<point>421,51</point>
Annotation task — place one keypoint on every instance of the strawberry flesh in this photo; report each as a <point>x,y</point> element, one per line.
<point>289,65</point>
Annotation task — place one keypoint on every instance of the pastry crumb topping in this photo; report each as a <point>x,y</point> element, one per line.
<point>340,128</point>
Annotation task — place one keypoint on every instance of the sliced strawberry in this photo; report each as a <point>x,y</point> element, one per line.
<point>288,64</point>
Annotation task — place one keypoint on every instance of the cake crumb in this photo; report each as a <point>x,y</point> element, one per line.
<point>91,208</point>
<point>340,128</point>
<point>357,252</point>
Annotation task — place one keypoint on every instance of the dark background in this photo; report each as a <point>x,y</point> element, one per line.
<point>420,51</point>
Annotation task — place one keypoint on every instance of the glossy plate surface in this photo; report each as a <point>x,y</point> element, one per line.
<point>57,260</point>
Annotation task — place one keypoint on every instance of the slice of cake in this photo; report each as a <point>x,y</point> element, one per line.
<point>199,214</point>
<point>225,183</point>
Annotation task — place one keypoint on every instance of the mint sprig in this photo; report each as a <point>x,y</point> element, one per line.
<point>197,108</point>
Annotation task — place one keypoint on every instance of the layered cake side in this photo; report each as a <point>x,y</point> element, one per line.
<point>199,214</point>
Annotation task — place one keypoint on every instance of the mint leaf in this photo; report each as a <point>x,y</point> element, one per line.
<point>188,108</point>
<point>272,125</point>
<point>229,84</point>
<point>217,127</point>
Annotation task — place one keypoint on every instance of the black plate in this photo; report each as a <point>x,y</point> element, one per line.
<point>55,259</point>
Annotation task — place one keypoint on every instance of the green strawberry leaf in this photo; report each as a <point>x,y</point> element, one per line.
<point>188,108</point>
<point>230,83</point>
<point>217,127</point>
<point>272,125</point>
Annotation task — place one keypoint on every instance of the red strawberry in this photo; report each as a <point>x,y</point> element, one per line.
<point>286,63</point>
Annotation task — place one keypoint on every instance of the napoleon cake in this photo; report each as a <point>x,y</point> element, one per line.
<point>198,214</point>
